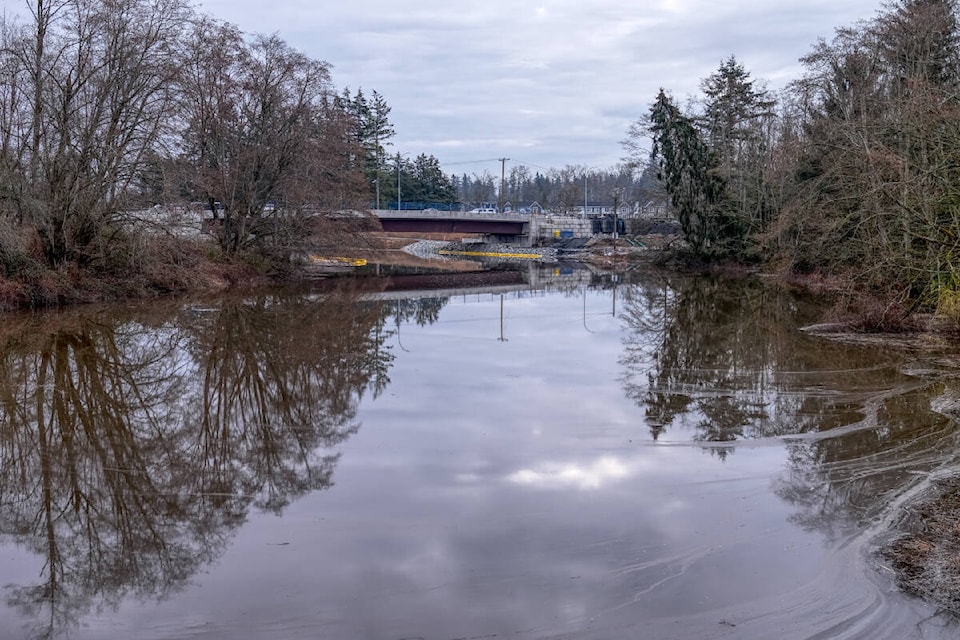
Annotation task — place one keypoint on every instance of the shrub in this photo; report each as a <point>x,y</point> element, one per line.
<point>874,313</point>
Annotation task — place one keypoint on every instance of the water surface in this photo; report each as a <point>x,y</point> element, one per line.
<point>655,457</point>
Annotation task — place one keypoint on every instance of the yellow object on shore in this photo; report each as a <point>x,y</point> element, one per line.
<point>353,262</point>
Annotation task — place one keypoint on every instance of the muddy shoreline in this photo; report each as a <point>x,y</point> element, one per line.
<point>925,558</point>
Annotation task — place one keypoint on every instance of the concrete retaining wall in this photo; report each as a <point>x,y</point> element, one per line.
<point>551,227</point>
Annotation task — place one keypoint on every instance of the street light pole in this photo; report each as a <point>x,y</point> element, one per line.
<point>400,156</point>
<point>584,194</point>
<point>616,206</point>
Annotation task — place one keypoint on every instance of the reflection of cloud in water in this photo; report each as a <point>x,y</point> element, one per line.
<point>570,475</point>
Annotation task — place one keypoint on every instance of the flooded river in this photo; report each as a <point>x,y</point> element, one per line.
<point>568,456</point>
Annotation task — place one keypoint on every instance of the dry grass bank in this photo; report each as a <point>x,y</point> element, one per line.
<point>141,267</point>
<point>387,249</point>
<point>926,560</point>
<point>149,266</point>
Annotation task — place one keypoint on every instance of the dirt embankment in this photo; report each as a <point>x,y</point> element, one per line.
<point>150,266</point>
<point>388,249</point>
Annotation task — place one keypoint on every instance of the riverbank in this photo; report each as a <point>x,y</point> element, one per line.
<point>600,252</point>
<point>925,558</point>
<point>152,267</point>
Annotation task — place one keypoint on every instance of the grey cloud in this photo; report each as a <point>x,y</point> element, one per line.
<point>560,78</point>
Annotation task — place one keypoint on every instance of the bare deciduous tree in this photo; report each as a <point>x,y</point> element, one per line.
<point>262,136</point>
<point>876,194</point>
<point>90,91</point>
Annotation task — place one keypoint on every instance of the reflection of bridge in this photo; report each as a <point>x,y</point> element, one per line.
<point>455,283</point>
<point>513,225</point>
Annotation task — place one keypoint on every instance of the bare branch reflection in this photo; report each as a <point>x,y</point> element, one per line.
<point>131,449</point>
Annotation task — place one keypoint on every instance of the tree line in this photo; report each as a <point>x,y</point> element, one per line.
<point>850,173</point>
<point>563,190</point>
<point>107,106</point>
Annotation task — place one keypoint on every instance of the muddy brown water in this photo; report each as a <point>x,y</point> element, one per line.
<point>660,458</point>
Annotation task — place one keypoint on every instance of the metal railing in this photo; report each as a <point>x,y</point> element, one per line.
<point>448,215</point>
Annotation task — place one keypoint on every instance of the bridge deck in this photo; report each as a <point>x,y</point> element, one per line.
<point>453,221</point>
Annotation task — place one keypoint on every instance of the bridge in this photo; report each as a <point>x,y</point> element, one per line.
<point>501,225</point>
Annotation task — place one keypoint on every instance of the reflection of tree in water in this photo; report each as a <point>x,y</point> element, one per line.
<point>840,482</point>
<point>280,378</point>
<point>129,452</point>
<point>82,409</point>
<point>422,311</point>
<point>725,358</point>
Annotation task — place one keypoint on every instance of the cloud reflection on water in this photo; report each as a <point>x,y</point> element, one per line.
<point>595,475</point>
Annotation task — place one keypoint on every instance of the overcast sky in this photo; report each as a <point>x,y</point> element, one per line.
<point>545,83</point>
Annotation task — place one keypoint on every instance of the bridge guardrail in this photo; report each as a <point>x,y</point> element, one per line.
<point>424,213</point>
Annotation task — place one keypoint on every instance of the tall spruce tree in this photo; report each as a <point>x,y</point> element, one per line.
<point>379,130</point>
<point>688,169</point>
<point>734,115</point>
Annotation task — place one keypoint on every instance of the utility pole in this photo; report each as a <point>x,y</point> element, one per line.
<point>503,174</point>
<point>616,205</point>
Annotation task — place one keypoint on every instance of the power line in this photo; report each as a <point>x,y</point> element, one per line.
<point>530,164</point>
<point>450,164</point>
<point>518,162</point>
